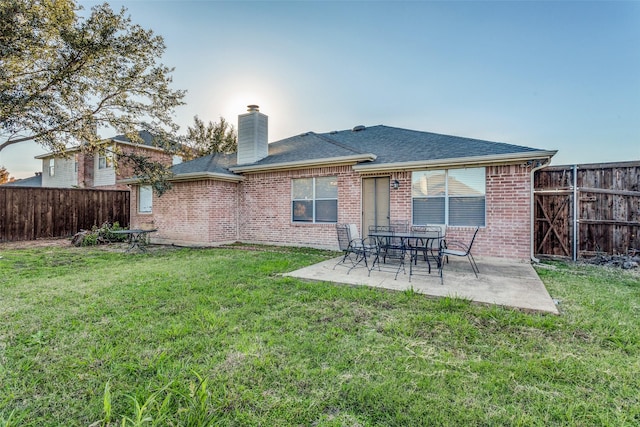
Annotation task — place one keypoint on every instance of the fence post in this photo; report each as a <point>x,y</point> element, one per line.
<point>575,213</point>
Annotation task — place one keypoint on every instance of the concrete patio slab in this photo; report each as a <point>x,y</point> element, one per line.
<point>501,282</point>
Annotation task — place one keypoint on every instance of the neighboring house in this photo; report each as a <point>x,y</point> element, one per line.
<point>32,181</point>
<point>83,170</point>
<point>293,191</point>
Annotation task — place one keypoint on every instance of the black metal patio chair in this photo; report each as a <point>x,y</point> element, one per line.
<point>391,249</point>
<point>457,248</point>
<point>427,246</point>
<point>356,250</point>
<point>399,225</point>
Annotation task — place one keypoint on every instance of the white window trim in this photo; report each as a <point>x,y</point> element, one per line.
<point>108,160</point>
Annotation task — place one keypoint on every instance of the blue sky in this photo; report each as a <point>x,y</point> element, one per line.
<point>562,75</point>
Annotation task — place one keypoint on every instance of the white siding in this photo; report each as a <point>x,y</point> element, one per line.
<point>65,174</point>
<point>102,177</point>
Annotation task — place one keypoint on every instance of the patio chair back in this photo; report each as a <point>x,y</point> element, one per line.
<point>467,250</point>
<point>442,228</point>
<point>464,250</point>
<point>425,244</point>
<point>399,226</point>
<point>380,228</point>
<point>354,247</point>
<point>438,231</point>
<point>343,236</point>
<point>353,232</point>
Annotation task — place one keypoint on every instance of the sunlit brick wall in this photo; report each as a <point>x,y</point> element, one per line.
<point>508,212</point>
<point>125,167</point>
<point>265,208</point>
<point>508,201</point>
<point>192,212</point>
<point>258,210</point>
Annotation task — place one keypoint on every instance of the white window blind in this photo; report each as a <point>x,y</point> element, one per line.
<point>455,197</point>
<point>145,199</point>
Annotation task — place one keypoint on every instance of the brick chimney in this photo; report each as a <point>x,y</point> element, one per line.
<point>253,144</point>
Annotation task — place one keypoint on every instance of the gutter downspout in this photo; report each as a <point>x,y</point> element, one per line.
<point>533,207</point>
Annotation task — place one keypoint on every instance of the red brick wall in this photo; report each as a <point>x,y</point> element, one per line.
<point>400,199</point>
<point>508,204</point>
<point>265,208</point>
<point>192,212</point>
<point>125,167</point>
<point>86,165</point>
<point>85,170</point>
<point>258,210</point>
<point>507,233</point>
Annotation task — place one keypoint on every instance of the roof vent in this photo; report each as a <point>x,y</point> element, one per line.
<point>358,128</point>
<point>253,108</point>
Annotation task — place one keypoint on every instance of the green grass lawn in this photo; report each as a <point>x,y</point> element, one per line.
<point>192,337</point>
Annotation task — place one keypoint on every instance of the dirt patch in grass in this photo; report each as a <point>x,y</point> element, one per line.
<point>66,243</point>
<point>30,244</point>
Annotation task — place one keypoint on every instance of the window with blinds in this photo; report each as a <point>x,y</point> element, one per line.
<point>145,199</point>
<point>455,197</point>
<point>315,200</point>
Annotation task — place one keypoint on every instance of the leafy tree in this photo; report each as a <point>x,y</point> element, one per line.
<point>64,76</point>
<point>204,139</point>
<point>4,175</point>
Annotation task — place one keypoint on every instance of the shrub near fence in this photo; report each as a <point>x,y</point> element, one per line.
<point>40,213</point>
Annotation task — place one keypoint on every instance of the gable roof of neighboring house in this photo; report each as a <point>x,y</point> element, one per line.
<point>32,181</point>
<point>366,148</point>
<point>147,140</point>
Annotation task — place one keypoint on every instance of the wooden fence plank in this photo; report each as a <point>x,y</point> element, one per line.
<point>37,213</point>
<point>608,208</point>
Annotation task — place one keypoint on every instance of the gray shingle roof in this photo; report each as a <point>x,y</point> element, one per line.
<point>32,181</point>
<point>147,138</point>
<point>213,163</point>
<point>388,145</point>
<point>395,145</point>
<point>308,146</point>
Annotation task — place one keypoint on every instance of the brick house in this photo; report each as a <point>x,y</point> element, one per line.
<point>84,170</point>
<point>293,191</point>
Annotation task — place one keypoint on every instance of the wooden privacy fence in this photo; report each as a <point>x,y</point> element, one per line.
<point>37,213</point>
<point>582,210</point>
